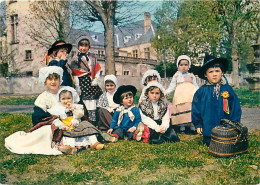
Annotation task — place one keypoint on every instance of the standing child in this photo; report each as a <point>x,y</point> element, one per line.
<point>106,105</point>
<point>126,121</point>
<point>185,85</point>
<point>76,133</point>
<point>215,100</point>
<point>87,70</point>
<point>155,114</point>
<point>59,52</point>
<point>149,76</point>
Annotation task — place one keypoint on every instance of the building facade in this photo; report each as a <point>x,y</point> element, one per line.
<point>133,52</point>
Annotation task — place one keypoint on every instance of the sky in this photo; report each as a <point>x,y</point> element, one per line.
<point>146,6</point>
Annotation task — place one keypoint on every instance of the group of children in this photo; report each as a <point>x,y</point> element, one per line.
<point>114,114</point>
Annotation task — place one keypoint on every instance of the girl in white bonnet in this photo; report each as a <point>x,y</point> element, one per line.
<point>185,85</point>
<point>106,106</point>
<point>76,133</point>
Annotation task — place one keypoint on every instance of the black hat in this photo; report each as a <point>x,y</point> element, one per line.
<point>122,89</point>
<point>58,45</point>
<point>209,61</point>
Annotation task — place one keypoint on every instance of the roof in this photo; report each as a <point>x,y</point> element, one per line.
<point>127,35</point>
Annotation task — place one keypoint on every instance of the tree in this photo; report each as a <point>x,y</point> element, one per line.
<point>216,27</point>
<point>53,21</point>
<point>235,16</point>
<point>110,13</point>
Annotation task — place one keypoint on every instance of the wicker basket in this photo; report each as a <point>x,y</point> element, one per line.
<point>228,139</point>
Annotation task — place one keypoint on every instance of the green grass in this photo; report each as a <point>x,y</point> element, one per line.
<point>127,162</point>
<point>17,100</point>
<point>248,99</point>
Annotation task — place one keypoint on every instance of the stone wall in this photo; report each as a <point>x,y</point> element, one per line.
<point>31,85</point>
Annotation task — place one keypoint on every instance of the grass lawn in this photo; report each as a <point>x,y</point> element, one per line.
<point>247,98</point>
<point>127,162</point>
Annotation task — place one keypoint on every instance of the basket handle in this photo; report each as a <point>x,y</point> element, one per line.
<point>238,126</point>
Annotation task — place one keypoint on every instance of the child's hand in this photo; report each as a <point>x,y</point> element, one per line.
<point>199,131</point>
<point>64,56</point>
<point>162,130</point>
<point>132,129</point>
<point>74,122</point>
<point>110,131</point>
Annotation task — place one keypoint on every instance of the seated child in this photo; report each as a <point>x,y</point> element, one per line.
<point>215,100</point>
<point>155,114</point>
<point>106,106</point>
<point>126,121</point>
<point>59,52</point>
<point>75,133</point>
<point>185,85</point>
<point>149,76</point>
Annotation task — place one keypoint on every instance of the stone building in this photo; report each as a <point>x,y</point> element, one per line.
<point>133,52</point>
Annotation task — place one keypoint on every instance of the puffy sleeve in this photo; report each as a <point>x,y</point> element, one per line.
<point>172,86</point>
<point>149,121</point>
<point>196,110</point>
<point>194,82</point>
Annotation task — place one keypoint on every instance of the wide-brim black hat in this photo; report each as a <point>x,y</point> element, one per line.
<point>210,60</point>
<point>122,89</point>
<point>58,45</point>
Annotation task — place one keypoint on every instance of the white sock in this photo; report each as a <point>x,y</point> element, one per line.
<point>92,139</point>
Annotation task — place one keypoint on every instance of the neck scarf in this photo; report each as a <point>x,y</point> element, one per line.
<point>125,111</point>
<point>147,108</point>
<point>216,86</point>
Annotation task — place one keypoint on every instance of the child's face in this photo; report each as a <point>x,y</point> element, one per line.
<point>66,99</point>
<point>110,87</point>
<point>52,84</point>
<point>214,74</point>
<point>183,66</point>
<point>128,101</point>
<point>83,48</point>
<point>151,78</point>
<point>62,53</point>
<point>154,95</point>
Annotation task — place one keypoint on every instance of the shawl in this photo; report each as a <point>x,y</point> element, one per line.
<point>56,132</point>
<point>147,108</point>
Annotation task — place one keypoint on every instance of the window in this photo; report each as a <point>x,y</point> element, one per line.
<point>126,39</point>
<point>126,73</point>
<point>147,53</point>
<point>29,73</point>
<point>135,53</point>
<point>137,36</point>
<point>28,54</point>
<point>94,37</point>
<point>14,28</point>
<point>100,53</point>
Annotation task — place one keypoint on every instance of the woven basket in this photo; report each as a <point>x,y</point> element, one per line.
<point>228,139</point>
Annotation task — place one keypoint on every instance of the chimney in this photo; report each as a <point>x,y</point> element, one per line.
<point>147,21</point>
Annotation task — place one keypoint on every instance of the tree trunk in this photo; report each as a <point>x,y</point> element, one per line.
<point>234,60</point>
<point>109,49</point>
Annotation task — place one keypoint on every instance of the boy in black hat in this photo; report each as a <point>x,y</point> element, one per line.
<point>59,52</point>
<point>126,121</point>
<point>215,100</point>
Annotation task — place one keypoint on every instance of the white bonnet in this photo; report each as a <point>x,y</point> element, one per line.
<point>151,72</point>
<point>46,71</point>
<point>112,78</point>
<point>74,93</point>
<point>155,84</point>
<point>183,57</point>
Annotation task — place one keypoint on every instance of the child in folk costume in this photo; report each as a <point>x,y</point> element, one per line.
<point>155,114</point>
<point>185,85</point>
<point>106,106</point>
<point>87,70</point>
<point>41,137</point>
<point>149,76</point>
<point>76,133</point>
<point>215,100</point>
<point>126,121</point>
<point>59,52</point>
